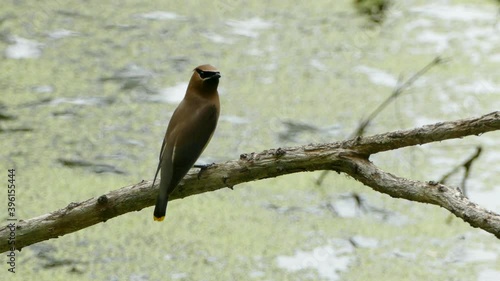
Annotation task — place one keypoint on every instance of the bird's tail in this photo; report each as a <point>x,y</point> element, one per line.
<point>161,207</point>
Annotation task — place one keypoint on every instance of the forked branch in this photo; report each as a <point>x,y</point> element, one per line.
<point>350,157</point>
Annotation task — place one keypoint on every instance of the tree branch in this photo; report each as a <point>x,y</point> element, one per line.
<point>430,192</point>
<point>350,157</point>
<point>425,134</point>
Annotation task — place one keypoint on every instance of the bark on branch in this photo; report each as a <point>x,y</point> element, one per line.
<point>350,157</point>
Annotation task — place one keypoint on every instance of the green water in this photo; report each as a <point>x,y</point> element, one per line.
<point>315,63</point>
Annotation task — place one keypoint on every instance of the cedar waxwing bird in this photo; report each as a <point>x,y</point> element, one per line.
<point>188,133</point>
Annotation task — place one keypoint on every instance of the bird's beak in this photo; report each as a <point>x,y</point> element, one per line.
<point>217,75</point>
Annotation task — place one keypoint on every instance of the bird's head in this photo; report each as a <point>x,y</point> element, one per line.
<point>205,78</point>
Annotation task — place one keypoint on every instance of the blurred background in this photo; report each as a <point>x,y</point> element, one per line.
<point>87,89</point>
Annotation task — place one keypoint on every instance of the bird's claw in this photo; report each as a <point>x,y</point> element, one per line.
<point>203,168</point>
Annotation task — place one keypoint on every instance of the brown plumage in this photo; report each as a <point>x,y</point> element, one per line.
<point>188,133</point>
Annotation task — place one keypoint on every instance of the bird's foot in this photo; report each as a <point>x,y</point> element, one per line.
<point>203,168</point>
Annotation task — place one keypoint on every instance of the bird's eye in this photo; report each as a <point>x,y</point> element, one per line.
<point>205,74</point>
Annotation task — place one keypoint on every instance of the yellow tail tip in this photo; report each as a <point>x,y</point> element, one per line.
<point>159,219</point>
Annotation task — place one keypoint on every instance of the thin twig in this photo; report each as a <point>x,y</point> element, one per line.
<point>467,166</point>
<point>360,130</point>
<point>400,88</point>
